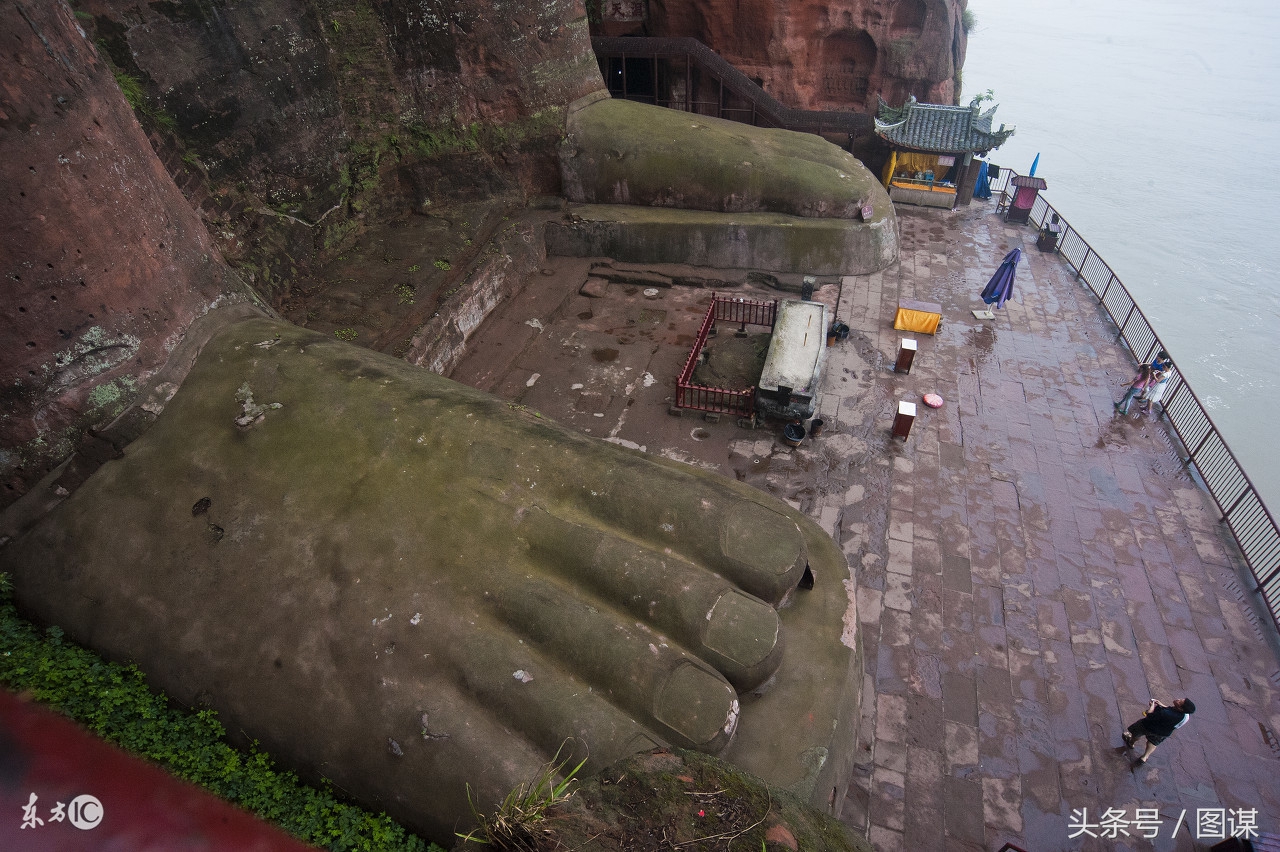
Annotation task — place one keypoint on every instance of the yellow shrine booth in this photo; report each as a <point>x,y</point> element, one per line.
<point>932,148</point>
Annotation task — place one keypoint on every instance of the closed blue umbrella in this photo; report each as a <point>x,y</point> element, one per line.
<point>1000,287</point>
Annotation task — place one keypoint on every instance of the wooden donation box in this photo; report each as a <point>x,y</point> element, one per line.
<point>920,317</point>
<point>906,354</point>
<point>902,422</point>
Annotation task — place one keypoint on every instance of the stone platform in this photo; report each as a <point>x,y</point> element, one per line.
<point>1031,569</point>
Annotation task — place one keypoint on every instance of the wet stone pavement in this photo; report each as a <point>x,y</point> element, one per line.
<point>1030,568</point>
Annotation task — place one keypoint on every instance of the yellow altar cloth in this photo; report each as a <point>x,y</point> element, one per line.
<point>921,317</point>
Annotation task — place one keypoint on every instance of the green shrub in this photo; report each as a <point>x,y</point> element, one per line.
<point>114,702</point>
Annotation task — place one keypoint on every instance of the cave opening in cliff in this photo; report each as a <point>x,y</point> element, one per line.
<point>633,79</point>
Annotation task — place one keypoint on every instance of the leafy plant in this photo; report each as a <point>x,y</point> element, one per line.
<point>346,334</point>
<point>978,100</point>
<point>968,21</point>
<point>114,702</point>
<point>404,292</point>
<point>514,826</point>
<point>131,88</point>
<point>443,265</point>
<point>414,268</point>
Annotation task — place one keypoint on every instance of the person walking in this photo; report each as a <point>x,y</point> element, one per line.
<point>1139,386</point>
<point>1157,724</point>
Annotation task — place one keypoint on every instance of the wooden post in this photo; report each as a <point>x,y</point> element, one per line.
<point>905,417</point>
<point>906,354</point>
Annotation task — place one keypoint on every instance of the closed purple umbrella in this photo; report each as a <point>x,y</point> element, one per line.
<point>1000,287</point>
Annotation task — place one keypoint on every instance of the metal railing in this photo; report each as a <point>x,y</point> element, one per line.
<point>681,56</point>
<point>744,311</point>
<point>742,401</point>
<point>1241,507</point>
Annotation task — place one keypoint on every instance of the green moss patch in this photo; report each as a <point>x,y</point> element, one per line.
<point>624,152</point>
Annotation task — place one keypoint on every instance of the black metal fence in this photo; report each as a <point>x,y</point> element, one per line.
<point>1242,510</point>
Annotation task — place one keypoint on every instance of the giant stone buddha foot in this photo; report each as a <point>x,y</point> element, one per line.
<point>408,586</point>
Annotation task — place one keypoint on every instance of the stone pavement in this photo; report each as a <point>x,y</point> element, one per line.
<point>1045,568</point>
<point>1030,569</point>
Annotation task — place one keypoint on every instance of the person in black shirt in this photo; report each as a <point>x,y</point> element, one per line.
<point>1157,723</point>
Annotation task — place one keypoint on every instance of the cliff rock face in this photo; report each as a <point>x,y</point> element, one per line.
<point>290,123</point>
<point>286,124</point>
<point>105,264</point>
<point>829,54</point>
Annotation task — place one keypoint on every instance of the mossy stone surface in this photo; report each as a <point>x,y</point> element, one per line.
<point>773,242</point>
<point>383,576</point>
<point>622,152</point>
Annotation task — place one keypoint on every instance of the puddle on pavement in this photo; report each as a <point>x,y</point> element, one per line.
<point>982,338</point>
<point>755,467</point>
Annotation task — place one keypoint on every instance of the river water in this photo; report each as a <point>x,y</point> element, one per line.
<point>1158,125</point>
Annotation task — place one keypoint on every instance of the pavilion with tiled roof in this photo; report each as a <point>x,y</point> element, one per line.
<point>930,142</point>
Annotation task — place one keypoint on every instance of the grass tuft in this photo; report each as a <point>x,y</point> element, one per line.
<point>516,825</point>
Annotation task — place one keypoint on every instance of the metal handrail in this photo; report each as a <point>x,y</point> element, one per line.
<point>1242,509</point>
<point>764,110</point>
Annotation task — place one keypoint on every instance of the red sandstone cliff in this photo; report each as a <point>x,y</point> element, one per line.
<point>292,123</point>
<point>104,262</point>
<point>822,54</point>
<point>289,124</point>
<point>286,124</point>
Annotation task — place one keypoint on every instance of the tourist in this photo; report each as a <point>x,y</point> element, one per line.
<point>1157,724</point>
<point>1138,387</point>
<point>1161,372</point>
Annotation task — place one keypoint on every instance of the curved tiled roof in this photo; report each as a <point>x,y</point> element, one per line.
<point>938,128</point>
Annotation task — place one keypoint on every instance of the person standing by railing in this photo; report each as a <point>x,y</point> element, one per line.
<point>1161,372</point>
<point>1138,387</point>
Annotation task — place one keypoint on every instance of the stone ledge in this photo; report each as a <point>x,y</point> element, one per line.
<point>773,242</point>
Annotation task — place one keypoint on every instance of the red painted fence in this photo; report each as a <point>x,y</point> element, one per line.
<point>739,402</point>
